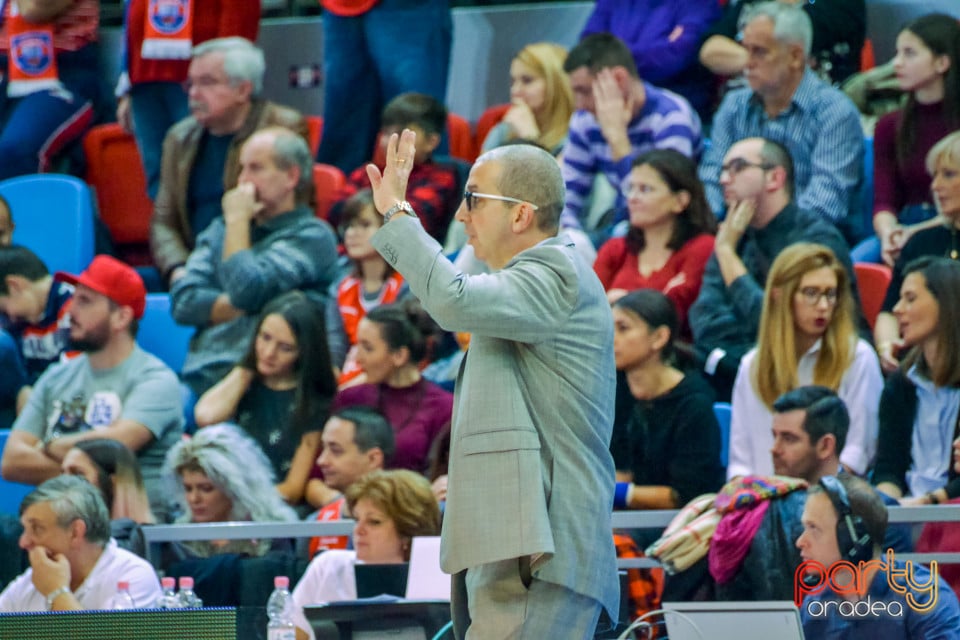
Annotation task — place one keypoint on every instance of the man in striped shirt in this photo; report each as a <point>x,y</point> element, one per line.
<point>618,117</point>
<point>786,102</point>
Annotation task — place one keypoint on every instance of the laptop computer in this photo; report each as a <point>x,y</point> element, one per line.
<point>426,581</point>
<point>766,620</point>
<point>376,579</point>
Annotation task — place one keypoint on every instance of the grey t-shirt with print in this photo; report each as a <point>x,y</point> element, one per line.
<point>71,397</point>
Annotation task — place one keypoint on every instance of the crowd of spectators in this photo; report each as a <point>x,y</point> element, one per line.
<point>713,169</point>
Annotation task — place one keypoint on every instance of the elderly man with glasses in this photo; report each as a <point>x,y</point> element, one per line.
<point>201,153</point>
<point>527,527</point>
<point>786,101</point>
<point>757,178</point>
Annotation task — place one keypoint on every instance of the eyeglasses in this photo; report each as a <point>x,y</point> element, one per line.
<point>812,296</point>
<point>204,82</point>
<point>737,165</point>
<point>471,199</point>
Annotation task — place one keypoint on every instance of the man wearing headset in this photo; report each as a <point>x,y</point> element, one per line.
<point>842,521</point>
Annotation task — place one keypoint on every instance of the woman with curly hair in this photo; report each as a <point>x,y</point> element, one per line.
<point>390,508</point>
<point>222,475</point>
<point>807,336</point>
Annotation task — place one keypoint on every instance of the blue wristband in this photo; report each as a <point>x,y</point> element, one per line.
<point>620,491</point>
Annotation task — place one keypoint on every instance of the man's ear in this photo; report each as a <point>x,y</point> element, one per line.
<point>797,59</point>
<point>776,179</point>
<point>376,458</point>
<point>524,218</point>
<point>432,142</point>
<point>123,317</point>
<point>826,446</point>
<point>16,283</point>
<point>78,530</point>
<point>623,78</point>
<point>245,87</point>
<point>293,176</point>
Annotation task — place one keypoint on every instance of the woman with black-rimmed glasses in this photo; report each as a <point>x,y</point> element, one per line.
<point>807,336</point>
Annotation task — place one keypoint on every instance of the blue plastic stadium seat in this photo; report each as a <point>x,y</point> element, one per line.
<point>867,193</point>
<point>11,493</point>
<point>722,411</point>
<point>54,218</point>
<point>160,335</point>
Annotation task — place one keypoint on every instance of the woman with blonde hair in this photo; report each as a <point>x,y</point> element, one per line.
<point>390,508</point>
<point>807,336</point>
<point>941,240</point>
<point>542,101</point>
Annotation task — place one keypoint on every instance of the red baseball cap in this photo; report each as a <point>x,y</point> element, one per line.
<point>114,279</point>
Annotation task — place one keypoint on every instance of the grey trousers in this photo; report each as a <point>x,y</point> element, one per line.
<point>501,601</point>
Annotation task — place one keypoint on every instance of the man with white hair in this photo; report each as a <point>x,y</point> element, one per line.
<point>201,153</point>
<point>74,563</point>
<point>787,103</point>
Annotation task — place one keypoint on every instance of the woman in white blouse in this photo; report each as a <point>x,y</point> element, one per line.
<point>390,509</point>
<point>807,336</point>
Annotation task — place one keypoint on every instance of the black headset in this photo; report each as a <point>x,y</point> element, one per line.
<point>855,542</point>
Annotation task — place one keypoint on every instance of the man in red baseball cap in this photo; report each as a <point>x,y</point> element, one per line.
<point>114,389</point>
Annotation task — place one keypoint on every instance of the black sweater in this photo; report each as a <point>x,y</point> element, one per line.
<point>673,440</point>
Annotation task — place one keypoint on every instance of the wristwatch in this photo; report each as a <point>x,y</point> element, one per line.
<point>403,206</point>
<point>56,593</point>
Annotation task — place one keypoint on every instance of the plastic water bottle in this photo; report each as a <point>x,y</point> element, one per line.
<point>168,599</point>
<point>188,597</point>
<point>122,599</point>
<point>280,611</point>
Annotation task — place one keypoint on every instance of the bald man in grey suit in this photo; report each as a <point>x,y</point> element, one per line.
<point>527,532</point>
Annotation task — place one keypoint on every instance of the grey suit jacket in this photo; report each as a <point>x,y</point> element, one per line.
<point>530,467</point>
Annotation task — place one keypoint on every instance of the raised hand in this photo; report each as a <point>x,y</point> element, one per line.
<point>390,187</point>
<point>50,572</point>
<point>613,111</point>
<point>240,203</point>
<point>522,121</point>
<point>738,219</point>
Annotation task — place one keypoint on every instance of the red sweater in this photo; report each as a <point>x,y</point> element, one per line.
<point>211,19</point>
<point>618,268</point>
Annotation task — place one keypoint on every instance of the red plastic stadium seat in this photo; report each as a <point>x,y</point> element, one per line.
<point>328,180</point>
<point>488,120</point>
